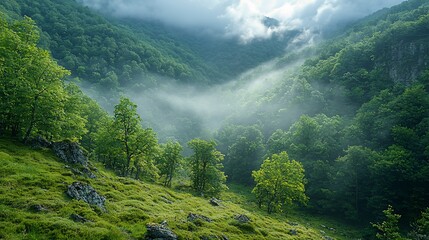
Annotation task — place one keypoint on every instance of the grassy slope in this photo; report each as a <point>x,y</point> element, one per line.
<point>29,177</point>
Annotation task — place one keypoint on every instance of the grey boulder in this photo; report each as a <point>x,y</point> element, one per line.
<point>86,193</point>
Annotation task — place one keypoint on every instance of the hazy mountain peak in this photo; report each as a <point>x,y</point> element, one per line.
<point>244,19</point>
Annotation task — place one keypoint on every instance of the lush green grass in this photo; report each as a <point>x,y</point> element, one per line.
<point>29,177</point>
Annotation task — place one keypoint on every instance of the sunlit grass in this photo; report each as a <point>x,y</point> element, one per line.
<point>30,177</point>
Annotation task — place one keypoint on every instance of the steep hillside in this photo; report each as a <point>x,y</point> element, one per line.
<point>114,53</point>
<point>34,205</point>
<point>385,50</point>
<point>226,57</point>
<point>356,115</point>
<point>97,50</point>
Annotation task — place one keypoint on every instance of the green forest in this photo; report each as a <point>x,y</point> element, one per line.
<point>340,140</point>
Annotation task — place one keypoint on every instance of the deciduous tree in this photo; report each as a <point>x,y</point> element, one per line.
<point>126,124</point>
<point>122,144</point>
<point>279,183</point>
<point>389,228</point>
<point>206,165</point>
<point>169,160</point>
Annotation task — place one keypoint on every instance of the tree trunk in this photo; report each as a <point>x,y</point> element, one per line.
<point>32,118</point>
<point>170,177</point>
<point>127,167</point>
<point>138,171</point>
<point>203,177</point>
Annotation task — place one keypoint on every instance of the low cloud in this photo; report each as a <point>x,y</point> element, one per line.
<point>244,19</point>
<point>184,112</point>
<point>212,105</point>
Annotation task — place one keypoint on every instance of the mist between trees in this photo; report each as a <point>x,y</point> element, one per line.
<point>352,114</point>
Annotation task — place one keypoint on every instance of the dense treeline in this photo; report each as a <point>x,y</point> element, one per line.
<point>355,115</point>
<point>355,119</point>
<point>224,58</point>
<point>34,98</point>
<point>95,49</point>
<point>359,163</point>
<point>113,53</point>
<point>354,167</point>
<point>363,136</point>
<point>35,101</point>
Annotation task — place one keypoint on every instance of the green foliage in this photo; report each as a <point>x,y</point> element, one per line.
<point>74,106</point>
<point>396,124</point>
<point>377,53</point>
<point>107,148</point>
<point>315,138</point>
<point>316,142</point>
<point>112,53</point>
<point>279,183</point>
<point>389,229</point>
<point>372,55</point>
<point>123,145</point>
<point>354,182</point>
<point>95,118</point>
<point>215,57</point>
<point>34,99</point>
<point>356,115</point>
<point>384,120</point>
<point>244,148</point>
<point>94,48</point>
<point>169,160</point>
<point>384,166</point>
<point>100,51</point>
<point>206,164</point>
<point>421,226</point>
<point>392,161</point>
<point>126,124</point>
<point>29,177</point>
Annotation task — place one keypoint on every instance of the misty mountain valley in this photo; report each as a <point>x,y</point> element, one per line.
<point>205,120</point>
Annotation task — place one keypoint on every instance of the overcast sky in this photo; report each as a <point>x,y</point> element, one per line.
<point>243,18</point>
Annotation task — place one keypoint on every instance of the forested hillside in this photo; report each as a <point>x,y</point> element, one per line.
<point>356,116</point>
<point>115,53</point>
<point>225,57</point>
<point>343,135</point>
<point>95,49</point>
<point>50,190</point>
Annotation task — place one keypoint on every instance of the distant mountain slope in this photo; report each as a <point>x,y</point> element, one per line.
<point>115,53</point>
<point>375,79</point>
<point>388,48</point>
<point>97,50</point>
<point>226,57</point>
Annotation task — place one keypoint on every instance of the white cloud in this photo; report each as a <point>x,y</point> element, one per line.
<point>213,105</point>
<point>244,18</point>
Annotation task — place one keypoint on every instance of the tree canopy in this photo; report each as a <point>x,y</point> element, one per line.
<point>125,146</point>
<point>34,99</point>
<point>206,164</point>
<point>279,183</point>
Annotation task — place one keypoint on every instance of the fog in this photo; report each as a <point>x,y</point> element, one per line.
<point>244,19</point>
<point>183,112</point>
<point>175,110</point>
